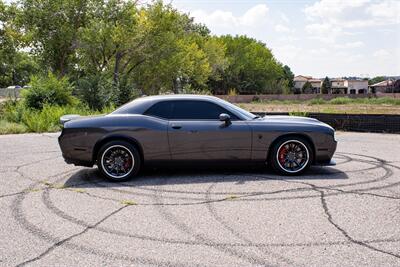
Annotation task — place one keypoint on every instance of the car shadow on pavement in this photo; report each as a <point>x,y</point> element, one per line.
<point>195,175</point>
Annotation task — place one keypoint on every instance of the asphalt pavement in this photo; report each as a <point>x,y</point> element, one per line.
<point>54,214</point>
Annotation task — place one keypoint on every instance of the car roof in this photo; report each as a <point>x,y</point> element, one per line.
<point>141,104</point>
<point>178,97</point>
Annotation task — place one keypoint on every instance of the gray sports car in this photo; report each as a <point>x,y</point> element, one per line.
<point>192,129</point>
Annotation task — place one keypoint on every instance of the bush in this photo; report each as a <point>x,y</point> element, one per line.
<point>317,101</point>
<point>95,91</point>
<point>341,101</point>
<point>48,90</point>
<point>7,127</point>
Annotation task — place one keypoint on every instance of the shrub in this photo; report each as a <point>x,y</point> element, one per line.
<point>7,127</point>
<point>340,101</point>
<point>317,101</point>
<point>95,91</point>
<point>48,90</point>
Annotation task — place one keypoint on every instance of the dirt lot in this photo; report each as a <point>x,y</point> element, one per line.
<point>53,214</point>
<point>326,108</point>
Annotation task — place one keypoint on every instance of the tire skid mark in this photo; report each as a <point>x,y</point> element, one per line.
<point>181,226</point>
<point>51,206</point>
<point>22,221</point>
<point>329,216</point>
<point>61,242</point>
<point>212,211</point>
<point>378,163</point>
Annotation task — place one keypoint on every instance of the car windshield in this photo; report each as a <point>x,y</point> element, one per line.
<point>244,113</point>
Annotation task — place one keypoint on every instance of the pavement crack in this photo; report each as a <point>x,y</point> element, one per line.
<point>59,243</point>
<point>344,233</point>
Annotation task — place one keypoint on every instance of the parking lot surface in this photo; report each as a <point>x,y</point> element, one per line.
<point>54,214</point>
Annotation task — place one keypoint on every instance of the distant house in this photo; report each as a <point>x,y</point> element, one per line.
<point>388,86</point>
<point>356,86</point>
<point>316,85</point>
<point>300,80</point>
<point>338,86</point>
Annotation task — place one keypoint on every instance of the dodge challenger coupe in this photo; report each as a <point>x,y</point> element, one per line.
<point>192,129</point>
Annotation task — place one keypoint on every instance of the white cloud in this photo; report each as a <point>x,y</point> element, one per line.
<point>329,8</point>
<point>381,53</point>
<point>254,15</point>
<point>349,45</point>
<point>386,9</point>
<point>324,32</point>
<point>281,28</point>
<point>340,17</point>
<point>219,18</point>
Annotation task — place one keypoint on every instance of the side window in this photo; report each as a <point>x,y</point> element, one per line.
<point>160,110</point>
<point>198,110</point>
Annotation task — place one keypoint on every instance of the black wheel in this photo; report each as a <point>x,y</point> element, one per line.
<point>291,156</point>
<point>118,161</point>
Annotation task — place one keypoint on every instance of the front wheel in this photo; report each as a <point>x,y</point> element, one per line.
<point>291,156</point>
<point>118,161</point>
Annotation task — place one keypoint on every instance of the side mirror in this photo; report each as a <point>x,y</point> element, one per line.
<point>225,118</point>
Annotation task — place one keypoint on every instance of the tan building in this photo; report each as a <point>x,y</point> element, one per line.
<point>316,85</point>
<point>338,86</point>
<point>356,86</point>
<point>300,80</point>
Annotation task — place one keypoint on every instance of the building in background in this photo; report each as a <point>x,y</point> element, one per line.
<point>300,81</point>
<point>316,85</point>
<point>388,86</point>
<point>338,86</point>
<point>356,86</point>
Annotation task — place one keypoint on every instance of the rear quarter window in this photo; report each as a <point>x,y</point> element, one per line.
<point>160,110</point>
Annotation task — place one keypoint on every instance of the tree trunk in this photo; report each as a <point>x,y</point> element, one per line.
<point>118,58</point>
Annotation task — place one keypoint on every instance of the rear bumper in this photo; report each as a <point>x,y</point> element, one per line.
<point>77,155</point>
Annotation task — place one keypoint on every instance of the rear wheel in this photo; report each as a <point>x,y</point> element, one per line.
<point>118,161</point>
<point>291,156</point>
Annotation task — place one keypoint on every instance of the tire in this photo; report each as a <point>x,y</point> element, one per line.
<point>291,155</point>
<point>118,161</point>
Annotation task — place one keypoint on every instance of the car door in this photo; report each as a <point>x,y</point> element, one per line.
<point>196,133</point>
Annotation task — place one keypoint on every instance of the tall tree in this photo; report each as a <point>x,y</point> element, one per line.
<point>52,27</point>
<point>326,86</point>
<point>307,88</point>
<point>289,76</point>
<point>15,66</point>
<point>252,66</point>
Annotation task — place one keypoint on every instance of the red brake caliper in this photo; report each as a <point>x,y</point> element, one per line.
<point>282,154</point>
<point>128,164</point>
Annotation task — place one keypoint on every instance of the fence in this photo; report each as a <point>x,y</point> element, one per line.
<point>10,92</point>
<point>355,122</point>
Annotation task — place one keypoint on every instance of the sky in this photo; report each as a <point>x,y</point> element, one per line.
<point>334,38</point>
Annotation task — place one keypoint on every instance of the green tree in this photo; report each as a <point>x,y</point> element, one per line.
<point>376,80</point>
<point>15,66</point>
<point>252,66</point>
<point>307,88</point>
<point>326,86</point>
<point>289,76</point>
<point>52,27</point>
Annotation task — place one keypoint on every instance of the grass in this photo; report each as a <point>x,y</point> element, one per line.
<point>7,127</point>
<point>335,101</point>
<point>384,105</point>
<point>16,118</point>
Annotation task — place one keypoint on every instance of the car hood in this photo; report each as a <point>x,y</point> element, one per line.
<point>290,119</point>
<point>294,120</point>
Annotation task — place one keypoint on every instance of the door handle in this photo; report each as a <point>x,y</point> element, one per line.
<point>176,127</point>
